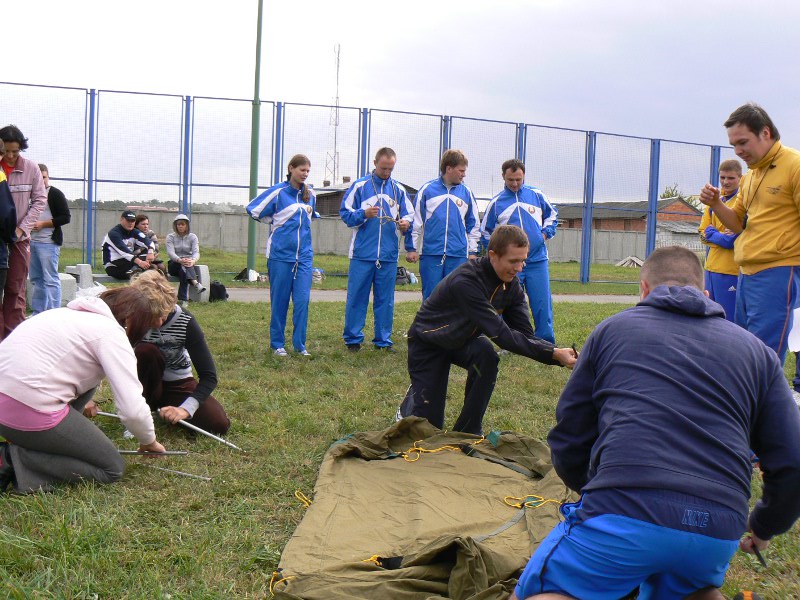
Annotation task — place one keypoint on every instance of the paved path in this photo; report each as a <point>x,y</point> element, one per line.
<point>262,295</point>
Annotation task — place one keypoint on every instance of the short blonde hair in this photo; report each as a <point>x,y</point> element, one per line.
<point>157,289</point>
<point>731,165</point>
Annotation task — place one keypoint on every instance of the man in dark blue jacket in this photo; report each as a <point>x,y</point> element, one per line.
<point>121,248</point>
<point>8,225</point>
<point>654,429</point>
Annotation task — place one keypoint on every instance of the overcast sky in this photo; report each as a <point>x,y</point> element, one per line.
<point>671,69</point>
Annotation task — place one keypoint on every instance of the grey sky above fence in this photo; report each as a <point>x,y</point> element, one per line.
<point>669,69</point>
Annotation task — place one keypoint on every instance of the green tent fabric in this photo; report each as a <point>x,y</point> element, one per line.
<point>392,524</point>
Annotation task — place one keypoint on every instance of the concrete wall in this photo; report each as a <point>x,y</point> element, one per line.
<point>229,232</point>
<point>608,247</point>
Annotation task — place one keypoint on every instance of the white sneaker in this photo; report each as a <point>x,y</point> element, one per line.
<point>184,303</point>
<point>280,352</point>
<point>304,353</point>
<point>199,287</point>
<point>127,435</point>
<point>796,396</point>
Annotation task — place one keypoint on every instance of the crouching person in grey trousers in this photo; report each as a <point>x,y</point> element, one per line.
<point>43,363</point>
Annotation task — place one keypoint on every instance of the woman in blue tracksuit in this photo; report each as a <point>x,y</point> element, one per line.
<point>527,207</point>
<point>289,206</point>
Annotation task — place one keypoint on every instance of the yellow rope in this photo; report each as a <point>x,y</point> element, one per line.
<point>375,559</point>
<point>273,581</point>
<point>529,501</point>
<point>303,498</point>
<point>414,453</point>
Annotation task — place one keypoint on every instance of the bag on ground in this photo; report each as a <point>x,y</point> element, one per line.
<point>217,292</point>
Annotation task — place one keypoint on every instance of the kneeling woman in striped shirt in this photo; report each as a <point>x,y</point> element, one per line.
<point>165,357</point>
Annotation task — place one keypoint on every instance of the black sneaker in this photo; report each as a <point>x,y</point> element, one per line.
<point>353,347</point>
<point>6,470</point>
<point>389,349</point>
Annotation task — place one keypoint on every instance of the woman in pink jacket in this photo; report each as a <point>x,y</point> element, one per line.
<point>49,368</point>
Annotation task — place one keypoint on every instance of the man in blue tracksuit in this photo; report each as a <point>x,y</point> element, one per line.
<point>528,208</point>
<point>445,223</point>
<point>654,429</point>
<point>375,207</point>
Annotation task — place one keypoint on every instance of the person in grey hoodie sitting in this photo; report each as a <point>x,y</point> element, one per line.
<point>183,249</point>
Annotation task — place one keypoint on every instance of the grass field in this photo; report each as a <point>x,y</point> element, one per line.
<point>155,535</point>
<point>565,276</point>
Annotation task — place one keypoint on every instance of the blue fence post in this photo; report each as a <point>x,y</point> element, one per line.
<point>652,197</point>
<point>277,144</point>
<point>91,179</point>
<point>363,148</point>
<point>446,139</point>
<point>713,176</point>
<point>188,145</point>
<point>522,141</point>
<point>588,208</point>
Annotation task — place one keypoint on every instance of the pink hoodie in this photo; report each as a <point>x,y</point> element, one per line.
<point>52,358</point>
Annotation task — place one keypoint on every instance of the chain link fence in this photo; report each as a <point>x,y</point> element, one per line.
<point>156,152</point>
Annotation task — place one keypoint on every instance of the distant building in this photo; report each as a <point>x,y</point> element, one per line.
<point>628,216</point>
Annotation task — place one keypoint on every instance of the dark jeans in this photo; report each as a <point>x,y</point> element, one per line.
<point>120,268</point>
<point>159,393</point>
<point>429,369</point>
<point>184,274</point>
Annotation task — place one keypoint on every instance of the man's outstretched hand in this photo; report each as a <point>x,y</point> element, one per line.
<point>566,357</point>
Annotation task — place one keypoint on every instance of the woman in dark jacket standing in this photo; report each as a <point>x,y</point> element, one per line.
<point>46,241</point>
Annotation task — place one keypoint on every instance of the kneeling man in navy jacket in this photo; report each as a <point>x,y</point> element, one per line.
<point>655,430</point>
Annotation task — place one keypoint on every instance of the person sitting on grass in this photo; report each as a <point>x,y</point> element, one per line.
<point>183,250</point>
<point>49,368</point>
<point>654,429</point>
<point>165,357</point>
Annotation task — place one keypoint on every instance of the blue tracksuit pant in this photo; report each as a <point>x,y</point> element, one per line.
<point>289,279</point>
<point>432,269</point>
<point>535,278</point>
<point>721,289</point>
<point>363,276</point>
<point>607,556</point>
<point>764,305</point>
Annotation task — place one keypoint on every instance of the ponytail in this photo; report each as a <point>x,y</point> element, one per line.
<point>299,160</point>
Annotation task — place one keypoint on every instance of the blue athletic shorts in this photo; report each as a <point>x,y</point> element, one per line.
<point>609,556</point>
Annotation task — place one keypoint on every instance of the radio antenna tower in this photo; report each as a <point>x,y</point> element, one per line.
<point>332,157</point>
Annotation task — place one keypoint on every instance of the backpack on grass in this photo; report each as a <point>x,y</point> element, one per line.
<point>403,277</point>
<point>217,292</point>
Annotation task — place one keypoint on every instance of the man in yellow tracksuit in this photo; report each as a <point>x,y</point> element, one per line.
<point>721,270</point>
<point>766,214</point>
